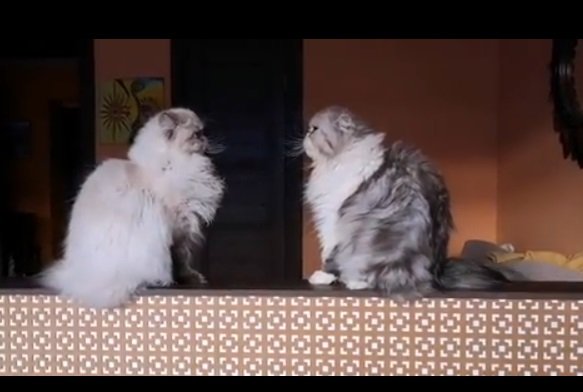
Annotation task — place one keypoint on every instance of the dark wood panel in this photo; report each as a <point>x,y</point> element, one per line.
<point>241,88</point>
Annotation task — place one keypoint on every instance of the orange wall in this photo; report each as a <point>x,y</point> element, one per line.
<point>478,108</point>
<point>126,58</point>
<point>32,87</point>
<point>541,194</point>
<point>440,95</point>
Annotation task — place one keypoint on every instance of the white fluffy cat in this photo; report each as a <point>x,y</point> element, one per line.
<point>133,218</point>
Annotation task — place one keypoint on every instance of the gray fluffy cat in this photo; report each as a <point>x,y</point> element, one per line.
<point>382,213</point>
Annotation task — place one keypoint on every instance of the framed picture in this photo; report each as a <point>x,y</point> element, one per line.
<point>124,105</point>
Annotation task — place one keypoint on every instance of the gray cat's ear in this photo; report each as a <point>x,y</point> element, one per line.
<point>168,119</point>
<point>345,121</point>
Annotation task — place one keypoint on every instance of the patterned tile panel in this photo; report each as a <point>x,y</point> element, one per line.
<point>271,335</point>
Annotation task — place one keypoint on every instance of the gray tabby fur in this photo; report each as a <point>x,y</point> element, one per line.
<point>391,232</point>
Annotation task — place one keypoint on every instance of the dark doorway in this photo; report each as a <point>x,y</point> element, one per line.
<point>42,142</point>
<point>249,94</point>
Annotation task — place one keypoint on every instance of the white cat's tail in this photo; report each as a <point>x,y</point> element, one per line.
<point>88,287</point>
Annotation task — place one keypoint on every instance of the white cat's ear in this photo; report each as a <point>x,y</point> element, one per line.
<point>168,119</point>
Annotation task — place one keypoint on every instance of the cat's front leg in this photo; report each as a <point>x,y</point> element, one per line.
<point>351,274</point>
<point>356,284</point>
<point>327,275</point>
<point>322,278</point>
<point>188,244</point>
<point>354,279</point>
<point>185,255</point>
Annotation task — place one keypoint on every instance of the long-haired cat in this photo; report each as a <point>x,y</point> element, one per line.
<point>382,213</point>
<point>139,222</point>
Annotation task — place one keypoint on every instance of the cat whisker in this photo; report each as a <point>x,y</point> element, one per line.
<point>215,146</point>
<point>294,147</point>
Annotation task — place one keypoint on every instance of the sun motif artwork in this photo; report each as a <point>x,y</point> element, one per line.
<point>125,104</point>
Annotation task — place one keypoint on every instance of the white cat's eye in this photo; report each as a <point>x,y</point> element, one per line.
<point>312,129</point>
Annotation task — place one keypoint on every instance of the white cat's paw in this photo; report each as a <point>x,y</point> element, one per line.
<point>320,278</point>
<point>356,285</point>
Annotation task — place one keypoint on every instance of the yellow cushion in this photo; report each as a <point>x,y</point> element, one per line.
<point>574,262</point>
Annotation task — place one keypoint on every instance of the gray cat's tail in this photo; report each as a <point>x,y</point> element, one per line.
<point>473,275</point>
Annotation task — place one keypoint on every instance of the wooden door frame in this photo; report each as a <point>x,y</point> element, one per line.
<point>87,101</point>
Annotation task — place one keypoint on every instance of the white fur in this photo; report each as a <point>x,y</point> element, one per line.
<point>322,278</point>
<point>121,226</point>
<point>333,180</point>
<point>357,285</point>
